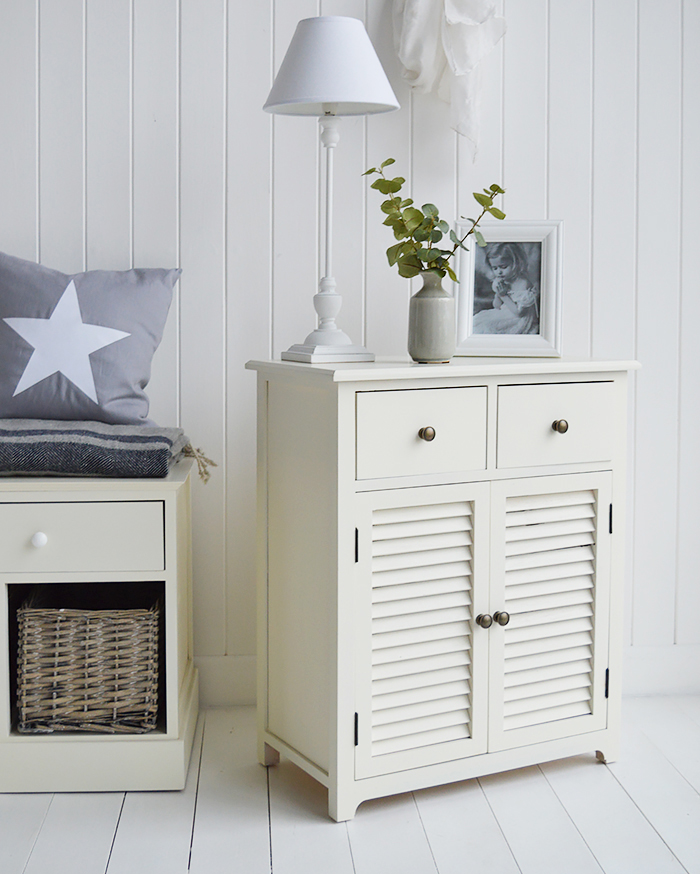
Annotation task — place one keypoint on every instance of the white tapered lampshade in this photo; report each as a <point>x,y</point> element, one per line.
<point>331,67</point>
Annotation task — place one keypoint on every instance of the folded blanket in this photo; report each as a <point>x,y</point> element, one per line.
<point>52,447</point>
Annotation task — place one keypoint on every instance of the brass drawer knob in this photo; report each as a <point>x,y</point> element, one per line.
<point>561,426</point>
<point>427,434</point>
<point>484,620</point>
<point>501,617</point>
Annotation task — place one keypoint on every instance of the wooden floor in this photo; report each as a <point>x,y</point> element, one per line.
<point>640,815</point>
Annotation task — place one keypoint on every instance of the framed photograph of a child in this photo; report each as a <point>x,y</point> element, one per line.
<point>509,292</point>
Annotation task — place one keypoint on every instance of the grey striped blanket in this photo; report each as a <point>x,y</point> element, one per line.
<point>52,447</point>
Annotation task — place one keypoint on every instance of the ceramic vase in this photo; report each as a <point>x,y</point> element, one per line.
<point>431,322</point>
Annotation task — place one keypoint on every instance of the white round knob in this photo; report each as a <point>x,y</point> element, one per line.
<point>39,539</point>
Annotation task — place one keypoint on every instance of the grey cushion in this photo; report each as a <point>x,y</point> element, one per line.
<point>79,347</point>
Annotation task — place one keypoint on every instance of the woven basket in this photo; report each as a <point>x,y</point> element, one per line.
<point>87,670</point>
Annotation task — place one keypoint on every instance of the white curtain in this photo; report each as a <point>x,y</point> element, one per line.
<point>440,44</point>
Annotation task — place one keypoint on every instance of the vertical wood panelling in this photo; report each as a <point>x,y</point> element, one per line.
<point>614,179</point>
<point>108,133</point>
<point>525,109</point>
<point>18,143</point>
<point>570,160</point>
<point>248,310</point>
<point>388,136</point>
<point>688,600</point>
<point>658,296</point>
<point>134,134</point>
<point>62,135</point>
<point>203,295</point>
<point>155,176</point>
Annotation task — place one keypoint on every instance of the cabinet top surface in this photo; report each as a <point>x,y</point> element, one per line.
<point>398,369</point>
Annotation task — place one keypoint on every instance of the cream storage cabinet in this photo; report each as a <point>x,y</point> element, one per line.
<point>95,543</point>
<point>441,568</point>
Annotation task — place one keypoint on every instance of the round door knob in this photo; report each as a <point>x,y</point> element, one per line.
<point>484,620</point>
<point>39,539</point>
<point>427,434</point>
<point>501,617</point>
<point>561,426</point>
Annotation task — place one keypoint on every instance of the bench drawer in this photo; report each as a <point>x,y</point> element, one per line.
<point>82,536</point>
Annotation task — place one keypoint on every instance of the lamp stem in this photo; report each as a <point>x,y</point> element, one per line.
<point>330,136</point>
<point>328,342</point>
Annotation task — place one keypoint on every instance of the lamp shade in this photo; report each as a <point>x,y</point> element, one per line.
<point>331,67</point>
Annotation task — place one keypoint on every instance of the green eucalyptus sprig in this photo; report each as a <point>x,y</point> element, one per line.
<point>420,230</point>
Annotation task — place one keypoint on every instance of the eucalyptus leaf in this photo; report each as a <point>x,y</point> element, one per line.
<point>408,270</point>
<point>392,253</point>
<point>496,213</point>
<point>413,214</point>
<point>387,162</point>
<point>480,241</point>
<point>430,209</point>
<point>384,185</point>
<point>483,200</point>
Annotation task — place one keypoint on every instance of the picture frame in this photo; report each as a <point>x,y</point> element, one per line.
<point>509,292</point>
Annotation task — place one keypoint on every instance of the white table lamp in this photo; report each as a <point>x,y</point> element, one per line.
<point>330,70</point>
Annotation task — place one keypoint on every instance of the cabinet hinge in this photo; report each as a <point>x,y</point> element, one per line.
<point>607,681</point>
<point>610,520</point>
<point>357,729</point>
<point>357,546</point>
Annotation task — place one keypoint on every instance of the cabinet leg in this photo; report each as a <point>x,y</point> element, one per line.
<point>341,809</point>
<point>606,758</point>
<point>268,755</point>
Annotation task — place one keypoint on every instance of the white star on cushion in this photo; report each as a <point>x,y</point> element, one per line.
<point>62,344</point>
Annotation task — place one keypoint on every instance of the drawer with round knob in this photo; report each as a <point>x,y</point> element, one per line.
<point>81,536</point>
<point>558,423</point>
<point>420,431</point>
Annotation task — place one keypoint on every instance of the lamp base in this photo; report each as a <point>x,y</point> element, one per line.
<point>318,354</point>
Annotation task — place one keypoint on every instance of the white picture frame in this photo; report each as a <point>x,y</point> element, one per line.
<point>524,319</point>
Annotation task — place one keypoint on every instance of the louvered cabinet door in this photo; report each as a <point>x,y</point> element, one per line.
<point>550,570</point>
<point>421,673</point>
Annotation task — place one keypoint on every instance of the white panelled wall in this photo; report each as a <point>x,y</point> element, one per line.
<point>132,134</point>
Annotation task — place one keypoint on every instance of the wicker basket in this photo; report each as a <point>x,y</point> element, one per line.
<point>87,670</point>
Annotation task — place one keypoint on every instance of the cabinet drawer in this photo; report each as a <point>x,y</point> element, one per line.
<point>82,536</point>
<point>388,425</point>
<point>526,414</point>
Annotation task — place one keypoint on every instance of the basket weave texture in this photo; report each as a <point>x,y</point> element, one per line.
<point>87,670</point>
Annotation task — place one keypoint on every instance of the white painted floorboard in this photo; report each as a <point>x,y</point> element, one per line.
<point>640,815</point>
